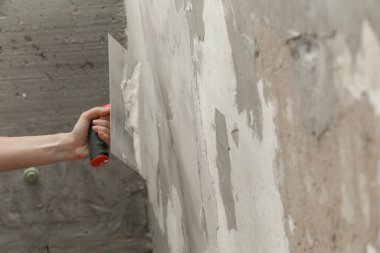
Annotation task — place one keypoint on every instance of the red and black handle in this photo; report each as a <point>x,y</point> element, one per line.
<point>98,149</point>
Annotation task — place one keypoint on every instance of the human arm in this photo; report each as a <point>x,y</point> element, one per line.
<point>27,151</point>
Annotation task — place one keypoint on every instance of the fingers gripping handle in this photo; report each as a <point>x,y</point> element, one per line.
<point>98,149</point>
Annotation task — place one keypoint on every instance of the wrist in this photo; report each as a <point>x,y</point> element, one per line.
<point>69,148</point>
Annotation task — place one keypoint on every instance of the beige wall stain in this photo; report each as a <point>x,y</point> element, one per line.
<point>328,183</point>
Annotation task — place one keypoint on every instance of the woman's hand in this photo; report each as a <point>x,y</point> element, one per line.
<point>100,118</point>
<point>27,151</point>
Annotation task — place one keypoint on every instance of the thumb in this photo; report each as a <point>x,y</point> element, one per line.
<point>95,113</point>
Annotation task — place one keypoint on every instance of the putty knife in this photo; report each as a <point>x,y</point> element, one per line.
<point>124,80</point>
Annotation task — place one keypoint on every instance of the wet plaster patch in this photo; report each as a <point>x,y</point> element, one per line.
<point>223,164</point>
<point>169,124</point>
<point>254,187</point>
<point>244,51</point>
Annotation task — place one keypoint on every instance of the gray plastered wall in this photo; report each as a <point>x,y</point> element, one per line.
<point>53,66</point>
<point>259,124</point>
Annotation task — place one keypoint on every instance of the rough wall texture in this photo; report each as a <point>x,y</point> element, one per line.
<point>53,65</point>
<point>260,128</point>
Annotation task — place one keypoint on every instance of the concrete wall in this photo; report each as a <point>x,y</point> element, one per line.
<point>259,123</point>
<point>53,66</point>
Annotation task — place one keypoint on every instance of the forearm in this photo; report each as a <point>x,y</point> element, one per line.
<point>23,152</point>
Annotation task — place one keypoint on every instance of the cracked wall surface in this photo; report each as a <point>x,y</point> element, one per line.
<point>259,124</point>
<point>53,66</point>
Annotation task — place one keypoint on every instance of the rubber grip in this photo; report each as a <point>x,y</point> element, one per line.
<point>98,149</point>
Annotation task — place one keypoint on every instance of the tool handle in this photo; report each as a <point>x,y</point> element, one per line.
<point>98,149</point>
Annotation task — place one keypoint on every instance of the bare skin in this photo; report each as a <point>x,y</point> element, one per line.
<point>28,151</point>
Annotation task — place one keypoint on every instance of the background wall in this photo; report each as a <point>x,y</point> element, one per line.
<point>53,66</point>
<point>259,124</point>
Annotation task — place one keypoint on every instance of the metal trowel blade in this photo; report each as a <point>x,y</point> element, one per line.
<point>121,70</point>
